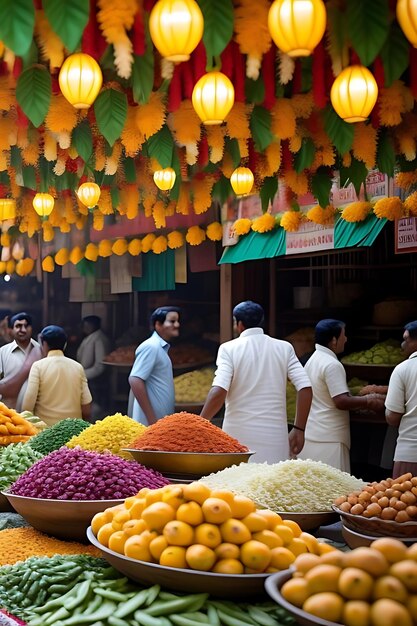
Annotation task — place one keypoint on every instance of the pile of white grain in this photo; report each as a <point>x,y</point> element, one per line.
<point>297,486</point>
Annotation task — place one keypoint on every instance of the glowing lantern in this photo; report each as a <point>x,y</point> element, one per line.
<point>7,209</point>
<point>43,203</point>
<point>89,194</point>
<point>165,179</point>
<point>297,26</point>
<point>407,19</point>
<point>176,27</point>
<point>242,181</point>
<point>80,80</point>
<point>213,97</point>
<point>354,93</point>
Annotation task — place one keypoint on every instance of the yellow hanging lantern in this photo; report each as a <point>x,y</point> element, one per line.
<point>407,19</point>
<point>165,179</point>
<point>176,27</point>
<point>297,26</point>
<point>89,194</point>
<point>80,80</point>
<point>242,181</point>
<point>43,203</point>
<point>213,97</point>
<point>7,209</point>
<point>354,93</point>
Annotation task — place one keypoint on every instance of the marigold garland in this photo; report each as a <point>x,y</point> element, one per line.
<point>91,252</point>
<point>405,180</point>
<point>252,17</point>
<point>76,255</point>
<point>147,242</point>
<point>393,101</point>
<point>365,144</point>
<point>264,223</point>
<point>119,247</point>
<point>201,193</point>
<point>410,204</point>
<point>283,122</point>
<point>150,117</point>
<point>237,122</point>
<point>48,264</point>
<point>160,245</point>
<point>115,20</point>
<point>51,46</point>
<point>242,226</point>
<point>291,220</point>
<point>195,235</point>
<point>320,215</point>
<point>185,124</point>
<point>356,211</point>
<point>61,116</point>
<point>104,248</point>
<point>175,240</point>
<point>135,247</point>
<point>214,231</point>
<point>389,208</point>
<point>298,183</point>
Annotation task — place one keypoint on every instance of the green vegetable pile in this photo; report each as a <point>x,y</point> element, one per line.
<point>15,459</point>
<point>58,435</point>
<point>12,520</point>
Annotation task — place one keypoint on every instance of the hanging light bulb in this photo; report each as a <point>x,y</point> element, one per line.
<point>165,179</point>
<point>176,28</point>
<point>80,80</point>
<point>297,26</point>
<point>407,19</point>
<point>89,194</point>
<point>242,181</point>
<point>43,203</point>
<point>213,97</point>
<point>354,93</point>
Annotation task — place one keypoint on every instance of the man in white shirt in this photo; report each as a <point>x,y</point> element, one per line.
<point>251,380</point>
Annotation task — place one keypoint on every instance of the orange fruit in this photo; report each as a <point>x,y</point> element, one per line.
<point>406,571</point>
<point>393,549</point>
<point>281,558</point>
<point>242,506</point>
<point>412,605</point>
<point>354,583</point>
<point>390,587</point>
<point>200,557</point>
<point>334,557</point>
<point>178,533</point>
<point>173,556</point>
<point>327,605</point>
<point>255,522</point>
<point>304,562</point>
<point>323,577</point>
<point>191,513</point>
<point>285,533</point>
<point>223,494</point>
<point>357,613</point>
<point>157,546</point>
<point>271,539</point>
<point>227,551</point>
<point>295,591</point>
<point>137,547</point>
<point>296,530</point>
<point>196,491</point>
<point>255,555</point>
<point>173,495</point>
<point>228,566</point>
<point>386,612</point>
<point>105,533</point>
<point>311,542</point>
<point>137,507</point>
<point>216,510</point>
<point>325,548</point>
<point>271,517</point>
<point>297,546</point>
<point>119,518</point>
<point>208,534</point>
<point>157,514</point>
<point>117,541</point>
<point>129,502</point>
<point>134,527</point>
<point>154,495</point>
<point>99,520</point>
<point>368,559</point>
<point>235,531</point>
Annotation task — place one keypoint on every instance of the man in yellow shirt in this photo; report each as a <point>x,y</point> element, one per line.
<point>57,386</point>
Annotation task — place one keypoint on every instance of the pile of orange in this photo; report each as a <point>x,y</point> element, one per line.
<point>192,526</point>
<point>368,586</point>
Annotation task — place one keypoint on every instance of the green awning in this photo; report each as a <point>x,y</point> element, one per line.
<point>256,246</point>
<point>357,234</point>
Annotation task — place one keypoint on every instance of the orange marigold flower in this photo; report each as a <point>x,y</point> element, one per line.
<point>242,226</point>
<point>405,180</point>
<point>62,256</point>
<point>175,239</point>
<point>303,104</point>
<point>61,115</point>
<point>364,143</point>
<point>320,215</point>
<point>283,123</point>
<point>150,117</point>
<point>389,208</point>
<point>298,183</point>
<point>48,264</point>
<point>104,248</point>
<point>76,255</point>
<point>91,252</point>
<point>160,245</point>
<point>119,247</point>
<point>291,220</point>
<point>214,231</point>
<point>237,122</point>
<point>195,235</point>
<point>201,193</point>
<point>185,124</point>
<point>147,242</point>
<point>264,223</point>
<point>135,247</point>
<point>356,211</point>
<point>410,204</point>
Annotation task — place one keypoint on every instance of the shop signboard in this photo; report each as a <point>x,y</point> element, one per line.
<point>406,235</point>
<point>309,238</point>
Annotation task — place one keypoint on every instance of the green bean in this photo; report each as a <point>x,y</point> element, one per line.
<point>39,619</point>
<point>233,610</point>
<point>106,609</point>
<point>145,619</point>
<point>92,606</point>
<point>57,616</point>
<point>261,617</point>
<point>166,595</point>
<point>179,605</point>
<point>115,621</point>
<point>58,588</point>
<point>80,595</point>
<point>213,615</point>
<point>152,594</point>
<point>229,620</point>
<point>182,620</point>
<point>198,616</point>
<point>133,604</point>
<point>110,595</point>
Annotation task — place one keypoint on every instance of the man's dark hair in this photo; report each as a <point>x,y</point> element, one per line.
<point>93,320</point>
<point>249,313</point>
<point>412,329</point>
<point>20,316</point>
<point>160,314</point>
<point>327,329</point>
<point>55,337</point>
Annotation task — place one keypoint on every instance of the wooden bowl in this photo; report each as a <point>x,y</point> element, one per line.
<point>5,506</point>
<point>377,527</point>
<point>309,521</point>
<point>356,539</point>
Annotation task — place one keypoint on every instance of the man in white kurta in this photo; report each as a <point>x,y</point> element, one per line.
<point>251,379</point>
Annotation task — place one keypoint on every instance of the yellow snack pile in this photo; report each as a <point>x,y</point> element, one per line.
<point>13,427</point>
<point>18,544</point>
<point>111,434</point>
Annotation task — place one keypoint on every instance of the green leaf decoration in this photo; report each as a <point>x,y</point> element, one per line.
<point>46,174</point>
<point>337,32</point>
<point>385,155</point>
<point>115,197</point>
<point>82,139</point>
<point>260,125</point>
<point>306,73</point>
<point>255,90</point>
<point>110,109</point>
<point>33,93</point>
<point>340,132</point>
<point>218,25</point>
<point>321,183</point>
<point>268,191</point>
<point>17,20</point>
<point>31,55</point>
<point>15,158</point>
<point>29,177</point>
<point>222,190</point>
<point>368,26</point>
<point>394,55</point>
<point>130,171</point>
<point>67,19</point>
<point>356,173</point>
<point>143,76</point>
<point>305,155</point>
<point>232,147</point>
<point>160,147</point>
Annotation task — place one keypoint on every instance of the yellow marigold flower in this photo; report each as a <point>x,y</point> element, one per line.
<point>50,149</point>
<point>61,115</point>
<point>237,122</point>
<point>158,214</point>
<point>392,102</point>
<point>76,255</point>
<point>185,124</point>
<point>135,247</point>
<point>51,46</point>
<point>170,208</point>
<point>227,167</point>
<point>294,143</point>
<point>303,104</point>
<point>283,123</point>
<point>252,17</point>
<point>91,252</point>
<point>2,267</point>
<point>7,94</point>
<point>297,182</point>
<point>147,242</point>
<point>4,160</point>
<point>407,145</point>
<point>112,161</point>
<point>410,204</point>
<point>48,264</point>
<point>25,266</point>
<point>98,220</point>
<point>65,227</point>
<point>183,203</point>
<point>364,144</point>
<point>273,158</point>
<point>105,204</point>
<point>119,247</point>
<point>115,21</point>
<point>215,138</point>
<point>195,235</point>
<point>264,223</point>
<point>22,139</point>
<point>201,193</point>
<point>242,226</point>
<point>175,239</point>
<point>48,231</point>
<point>6,126</point>
<point>62,256</point>
<point>405,180</point>
<point>356,211</point>
<point>5,240</point>
<point>100,155</point>
<point>346,159</point>
<point>148,202</point>
<point>160,245</point>
<point>291,220</point>
<point>243,148</point>
<point>320,215</point>
<point>389,208</point>
<point>150,117</point>
<point>214,231</point>
<point>104,248</point>
<point>131,137</point>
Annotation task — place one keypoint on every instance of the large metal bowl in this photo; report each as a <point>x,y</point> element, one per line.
<point>5,505</point>
<point>188,464</point>
<point>190,581</point>
<point>376,526</point>
<point>309,521</point>
<point>65,519</point>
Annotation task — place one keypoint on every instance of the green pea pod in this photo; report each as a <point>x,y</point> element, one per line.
<point>212,615</point>
<point>80,595</point>
<point>261,617</point>
<point>229,620</point>
<point>57,616</point>
<point>144,619</point>
<point>182,604</point>
<point>182,620</point>
<point>133,604</point>
<point>233,610</point>
<point>115,621</point>
<point>197,616</point>
<point>106,609</point>
<point>152,594</point>
<point>110,595</point>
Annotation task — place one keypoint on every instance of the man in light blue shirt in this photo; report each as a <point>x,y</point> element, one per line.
<point>151,378</point>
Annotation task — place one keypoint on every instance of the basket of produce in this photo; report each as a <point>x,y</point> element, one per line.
<point>375,364</point>
<point>356,539</point>
<point>385,508</point>
<point>191,538</point>
<point>13,427</point>
<point>61,492</point>
<point>15,459</point>
<point>191,389</point>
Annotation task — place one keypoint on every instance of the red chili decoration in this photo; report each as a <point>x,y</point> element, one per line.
<point>174,96</point>
<point>268,75</point>
<point>203,151</point>
<point>199,61</point>
<point>239,73</point>
<point>319,76</point>
<point>138,34</point>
